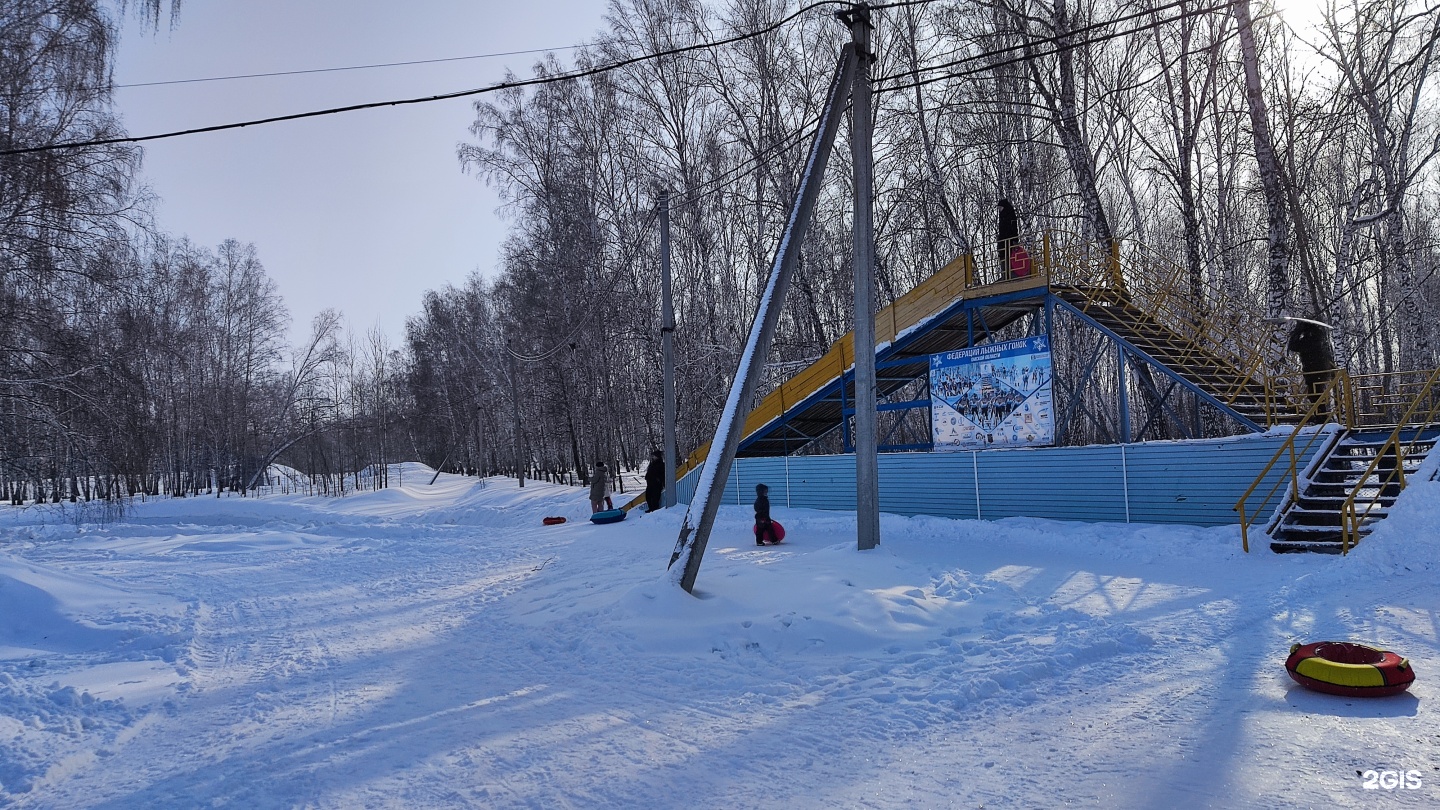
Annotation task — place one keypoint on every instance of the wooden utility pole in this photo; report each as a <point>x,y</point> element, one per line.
<point>667,348</point>
<point>862,256</point>
<point>515,410</point>
<point>480,440</point>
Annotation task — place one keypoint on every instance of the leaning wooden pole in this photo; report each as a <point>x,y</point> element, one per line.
<point>700,516</point>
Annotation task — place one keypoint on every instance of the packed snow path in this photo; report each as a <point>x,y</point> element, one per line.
<point>436,646</point>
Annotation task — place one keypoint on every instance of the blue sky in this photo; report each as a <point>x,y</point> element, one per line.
<point>364,211</point>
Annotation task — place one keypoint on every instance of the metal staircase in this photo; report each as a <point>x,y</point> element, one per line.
<point>1361,469</point>
<point>1387,426</point>
<point>1211,342</point>
<point>1207,367</point>
<point>1134,294</point>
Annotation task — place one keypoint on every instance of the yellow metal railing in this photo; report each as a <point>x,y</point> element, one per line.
<point>1224,331</point>
<point>1220,330</point>
<point>1337,392</point>
<point>1381,399</point>
<point>1384,398</point>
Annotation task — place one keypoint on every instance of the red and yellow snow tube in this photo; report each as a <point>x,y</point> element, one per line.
<point>553,521</point>
<point>1349,669</point>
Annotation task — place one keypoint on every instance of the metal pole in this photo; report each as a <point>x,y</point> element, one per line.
<point>515,410</point>
<point>710,489</point>
<point>480,441</point>
<point>862,256</point>
<point>1124,393</point>
<point>667,348</point>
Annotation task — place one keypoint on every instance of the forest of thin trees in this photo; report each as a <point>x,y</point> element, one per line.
<point>1292,169</point>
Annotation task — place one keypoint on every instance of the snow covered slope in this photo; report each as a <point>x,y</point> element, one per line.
<point>436,646</point>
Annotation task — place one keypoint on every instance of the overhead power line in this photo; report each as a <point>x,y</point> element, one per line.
<point>1081,30</point>
<point>346,67</point>
<point>752,165</point>
<point>1031,43</point>
<point>407,63</point>
<point>580,74</point>
<point>577,74</point>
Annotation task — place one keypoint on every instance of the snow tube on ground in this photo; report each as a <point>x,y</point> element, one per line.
<point>779,530</point>
<point>608,516</point>
<point>1349,669</point>
<point>553,521</point>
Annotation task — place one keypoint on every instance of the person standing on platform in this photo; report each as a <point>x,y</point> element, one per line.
<point>1008,236</point>
<point>654,480</point>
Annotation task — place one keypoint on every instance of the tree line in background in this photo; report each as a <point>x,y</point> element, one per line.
<point>1289,172</point>
<point>1292,170</point>
<point>131,362</point>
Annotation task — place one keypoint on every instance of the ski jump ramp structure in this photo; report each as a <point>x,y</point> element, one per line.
<point>1153,333</point>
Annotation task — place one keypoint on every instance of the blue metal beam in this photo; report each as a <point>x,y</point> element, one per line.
<point>900,448</point>
<point>904,361</point>
<point>889,356</point>
<point>1164,401</point>
<point>1158,366</point>
<point>907,405</point>
<point>1077,390</point>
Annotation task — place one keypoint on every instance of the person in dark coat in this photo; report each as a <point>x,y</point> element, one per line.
<point>1310,341</point>
<point>764,528</point>
<point>654,480</point>
<point>1008,235</point>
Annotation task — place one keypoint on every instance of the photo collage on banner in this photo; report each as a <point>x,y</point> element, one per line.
<point>995,395</point>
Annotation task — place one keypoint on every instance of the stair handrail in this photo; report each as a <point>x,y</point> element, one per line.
<point>1350,515</point>
<point>1336,392</point>
<point>1168,292</point>
<point>1381,397</point>
<point>1214,328</point>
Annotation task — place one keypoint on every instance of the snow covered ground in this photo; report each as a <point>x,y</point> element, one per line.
<point>436,646</point>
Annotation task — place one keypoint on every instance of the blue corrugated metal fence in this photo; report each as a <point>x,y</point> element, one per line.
<point>1193,482</point>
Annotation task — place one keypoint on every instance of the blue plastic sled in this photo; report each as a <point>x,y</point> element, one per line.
<point>608,516</point>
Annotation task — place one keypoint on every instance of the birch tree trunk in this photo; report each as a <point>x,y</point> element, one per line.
<point>1276,231</point>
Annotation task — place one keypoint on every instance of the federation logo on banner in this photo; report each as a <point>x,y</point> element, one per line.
<point>995,395</point>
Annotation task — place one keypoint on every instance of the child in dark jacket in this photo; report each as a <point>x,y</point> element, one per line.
<point>764,529</point>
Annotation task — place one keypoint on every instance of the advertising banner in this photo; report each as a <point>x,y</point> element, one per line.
<point>995,395</point>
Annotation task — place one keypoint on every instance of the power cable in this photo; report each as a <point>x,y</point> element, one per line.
<point>749,166</point>
<point>1081,30</point>
<point>405,63</point>
<point>753,164</point>
<point>703,190</point>
<point>734,174</point>
<point>345,68</point>
<point>1028,56</point>
<point>635,60</point>
<point>582,322</point>
<point>577,74</point>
